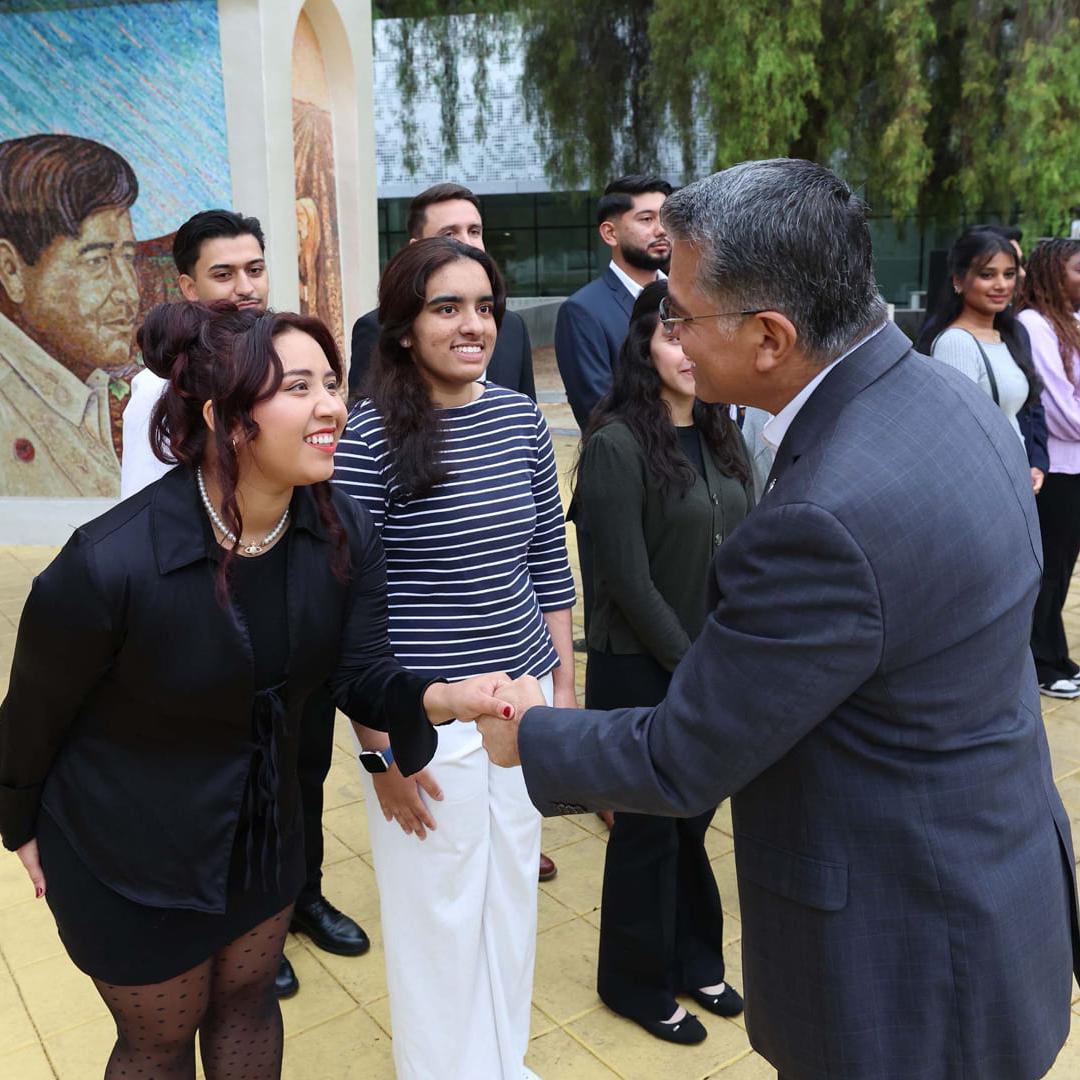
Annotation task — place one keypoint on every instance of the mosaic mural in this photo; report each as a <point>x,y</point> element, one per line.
<point>112,133</point>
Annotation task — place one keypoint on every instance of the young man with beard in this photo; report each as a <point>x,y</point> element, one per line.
<point>219,255</point>
<point>591,324</point>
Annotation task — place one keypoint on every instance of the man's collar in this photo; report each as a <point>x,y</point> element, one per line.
<point>57,387</point>
<point>628,283</point>
<point>774,429</point>
<point>178,519</point>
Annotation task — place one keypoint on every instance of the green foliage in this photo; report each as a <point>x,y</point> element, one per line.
<point>935,107</point>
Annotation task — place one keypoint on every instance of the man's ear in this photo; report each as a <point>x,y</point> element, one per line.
<point>187,287</point>
<point>12,272</point>
<point>777,340</point>
<point>608,235</point>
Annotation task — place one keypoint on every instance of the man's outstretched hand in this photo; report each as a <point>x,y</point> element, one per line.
<point>500,735</point>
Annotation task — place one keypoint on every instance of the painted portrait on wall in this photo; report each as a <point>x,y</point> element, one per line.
<point>112,133</point>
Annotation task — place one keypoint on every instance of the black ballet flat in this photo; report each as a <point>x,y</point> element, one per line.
<point>686,1032</point>
<point>726,1004</point>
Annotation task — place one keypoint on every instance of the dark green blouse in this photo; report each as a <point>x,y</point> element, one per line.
<point>652,548</point>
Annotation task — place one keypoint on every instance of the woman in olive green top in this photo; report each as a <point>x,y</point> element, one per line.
<point>662,480</point>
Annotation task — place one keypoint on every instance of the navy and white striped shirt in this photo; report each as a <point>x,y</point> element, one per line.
<point>472,566</point>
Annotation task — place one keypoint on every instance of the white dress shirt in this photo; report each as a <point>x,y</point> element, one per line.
<point>632,287</point>
<point>774,430</point>
<point>138,466</point>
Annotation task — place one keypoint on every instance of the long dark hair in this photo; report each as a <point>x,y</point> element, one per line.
<point>635,399</point>
<point>394,383</point>
<point>972,250</point>
<point>223,354</point>
<point>1045,291</point>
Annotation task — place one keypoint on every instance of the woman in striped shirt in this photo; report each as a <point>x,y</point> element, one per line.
<point>460,478</point>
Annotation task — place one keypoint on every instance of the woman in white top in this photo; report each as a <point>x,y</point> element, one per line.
<point>971,329</point>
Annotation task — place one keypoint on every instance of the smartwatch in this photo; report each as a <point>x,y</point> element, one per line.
<point>377,761</point>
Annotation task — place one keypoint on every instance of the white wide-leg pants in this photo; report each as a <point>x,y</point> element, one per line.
<point>459,917</point>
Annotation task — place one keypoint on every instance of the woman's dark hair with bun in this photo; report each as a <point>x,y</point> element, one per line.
<point>394,383</point>
<point>226,355</point>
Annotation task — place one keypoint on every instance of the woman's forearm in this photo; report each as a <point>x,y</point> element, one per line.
<point>370,739</point>
<point>560,627</point>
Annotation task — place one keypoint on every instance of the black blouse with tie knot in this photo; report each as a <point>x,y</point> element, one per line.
<point>131,710</point>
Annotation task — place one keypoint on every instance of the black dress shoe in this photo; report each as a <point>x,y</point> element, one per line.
<point>286,984</point>
<point>688,1031</point>
<point>726,1004</point>
<point>328,928</point>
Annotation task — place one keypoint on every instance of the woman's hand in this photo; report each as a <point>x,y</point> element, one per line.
<point>28,853</point>
<point>468,699</point>
<point>1037,478</point>
<point>400,800</point>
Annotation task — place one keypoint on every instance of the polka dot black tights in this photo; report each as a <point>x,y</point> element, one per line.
<point>229,1000</point>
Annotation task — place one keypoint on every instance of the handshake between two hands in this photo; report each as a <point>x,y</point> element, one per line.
<point>496,703</point>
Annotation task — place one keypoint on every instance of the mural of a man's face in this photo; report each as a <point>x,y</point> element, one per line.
<point>80,298</point>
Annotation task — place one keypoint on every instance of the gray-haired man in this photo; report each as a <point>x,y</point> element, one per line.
<point>863,689</point>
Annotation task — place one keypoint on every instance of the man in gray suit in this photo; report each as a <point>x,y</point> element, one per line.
<point>863,689</point>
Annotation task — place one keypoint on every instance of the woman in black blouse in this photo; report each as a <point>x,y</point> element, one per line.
<point>148,740</point>
<point>662,480</point>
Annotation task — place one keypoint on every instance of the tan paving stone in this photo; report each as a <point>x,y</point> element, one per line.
<point>560,831</point>
<point>565,985</point>
<point>28,932</point>
<point>15,887</point>
<point>29,1063</point>
<point>549,912</point>
<point>321,996</point>
<point>16,1029</point>
<point>557,1056</point>
<point>57,995</point>
<point>347,1047</point>
<point>342,785</point>
<point>349,825</point>
<point>749,1067</point>
<point>636,1055</point>
<point>718,843</point>
<point>80,1053</point>
<point>379,1011</point>
<point>350,886</point>
<point>362,977</point>
<point>581,875</point>
<point>724,871</point>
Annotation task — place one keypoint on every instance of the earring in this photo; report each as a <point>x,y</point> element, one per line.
<point>406,343</point>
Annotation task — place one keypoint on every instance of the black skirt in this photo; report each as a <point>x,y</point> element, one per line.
<point>116,940</point>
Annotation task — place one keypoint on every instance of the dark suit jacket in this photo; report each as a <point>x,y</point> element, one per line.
<point>864,690</point>
<point>589,332</point>
<point>510,366</point>
<point>132,715</point>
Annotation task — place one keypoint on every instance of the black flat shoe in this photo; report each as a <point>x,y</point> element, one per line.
<point>328,928</point>
<point>688,1031</point>
<point>286,984</point>
<point>726,1004</point>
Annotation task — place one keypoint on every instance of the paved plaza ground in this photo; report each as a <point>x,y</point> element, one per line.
<point>53,1024</point>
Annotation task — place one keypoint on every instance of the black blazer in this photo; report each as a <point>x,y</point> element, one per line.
<point>132,717</point>
<point>510,365</point>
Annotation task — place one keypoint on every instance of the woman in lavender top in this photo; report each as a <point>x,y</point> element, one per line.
<point>1049,303</point>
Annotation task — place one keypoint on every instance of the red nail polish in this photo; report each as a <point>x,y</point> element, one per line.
<point>39,892</point>
<point>508,712</point>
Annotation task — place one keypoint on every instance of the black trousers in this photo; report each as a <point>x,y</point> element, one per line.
<point>316,750</point>
<point>661,921</point>
<point>1059,523</point>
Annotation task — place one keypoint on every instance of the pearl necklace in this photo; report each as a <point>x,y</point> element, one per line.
<point>247,549</point>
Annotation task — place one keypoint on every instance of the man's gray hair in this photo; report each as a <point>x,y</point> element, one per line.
<point>783,235</point>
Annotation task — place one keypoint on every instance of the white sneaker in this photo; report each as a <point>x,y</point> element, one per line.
<point>1060,688</point>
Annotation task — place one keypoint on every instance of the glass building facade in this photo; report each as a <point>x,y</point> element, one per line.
<point>547,243</point>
